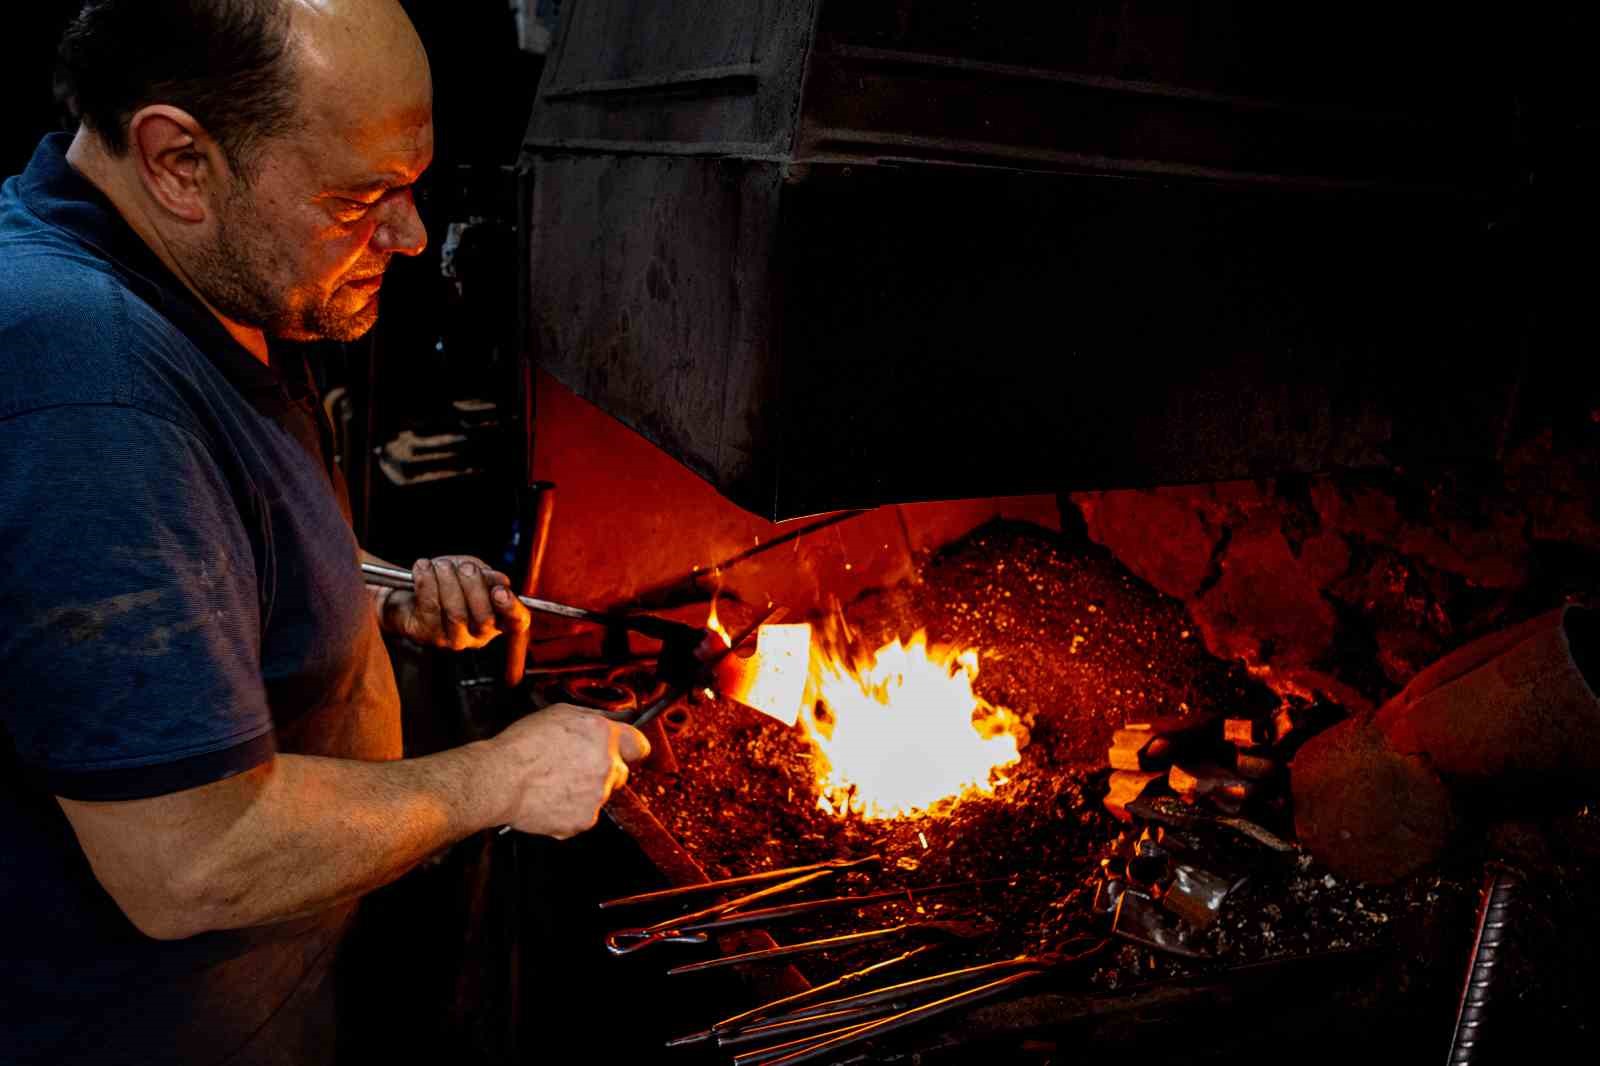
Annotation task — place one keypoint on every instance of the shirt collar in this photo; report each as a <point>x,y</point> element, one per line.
<point>62,197</point>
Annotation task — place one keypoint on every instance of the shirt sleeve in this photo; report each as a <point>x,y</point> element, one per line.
<point>129,613</point>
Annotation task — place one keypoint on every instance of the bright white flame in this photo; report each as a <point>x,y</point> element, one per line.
<point>905,730</point>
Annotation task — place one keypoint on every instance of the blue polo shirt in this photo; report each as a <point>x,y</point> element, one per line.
<point>179,600</point>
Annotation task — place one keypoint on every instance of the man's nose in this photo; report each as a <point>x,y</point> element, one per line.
<point>401,230</point>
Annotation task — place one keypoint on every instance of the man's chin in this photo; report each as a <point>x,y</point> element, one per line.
<point>328,326</point>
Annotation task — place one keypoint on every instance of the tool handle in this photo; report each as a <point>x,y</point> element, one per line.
<point>395,578</point>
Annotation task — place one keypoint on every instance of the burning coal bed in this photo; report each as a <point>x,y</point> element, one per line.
<point>1064,652</point>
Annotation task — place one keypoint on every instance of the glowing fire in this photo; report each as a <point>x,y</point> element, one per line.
<point>895,733</point>
<point>904,730</point>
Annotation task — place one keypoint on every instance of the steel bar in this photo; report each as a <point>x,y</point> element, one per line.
<point>806,906</point>
<point>883,1026</point>
<point>763,1056</point>
<point>738,882</point>
<point>802,948</point>
<point>693,922</point>
<point>1494,912</point>
<point>911,989</point>
<point>784,1030</point>
<point>395,578</point>
<point>848,980</point>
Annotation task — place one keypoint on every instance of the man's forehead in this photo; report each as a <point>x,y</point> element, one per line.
<point>391,154</point>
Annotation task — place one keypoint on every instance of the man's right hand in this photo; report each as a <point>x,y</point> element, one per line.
<point>558,767</point>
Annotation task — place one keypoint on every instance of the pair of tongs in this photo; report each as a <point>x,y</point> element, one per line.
<point>695,927</point>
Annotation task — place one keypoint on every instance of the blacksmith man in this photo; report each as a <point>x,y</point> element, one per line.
<point>199,735</point>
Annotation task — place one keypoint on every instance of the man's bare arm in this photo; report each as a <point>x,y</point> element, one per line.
<point>301,833</point>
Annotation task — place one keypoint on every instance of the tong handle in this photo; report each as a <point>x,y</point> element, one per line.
<point>627,941</point>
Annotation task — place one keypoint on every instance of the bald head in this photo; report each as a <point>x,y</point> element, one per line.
<point>357,62</point>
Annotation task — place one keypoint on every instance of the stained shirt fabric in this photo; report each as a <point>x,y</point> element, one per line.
<point>179,601</point>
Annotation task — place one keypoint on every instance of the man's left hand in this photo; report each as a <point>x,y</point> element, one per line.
<point>458,603</point>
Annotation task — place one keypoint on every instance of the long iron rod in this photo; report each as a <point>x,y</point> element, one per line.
<point>737,882</point>
<point>395,578</point>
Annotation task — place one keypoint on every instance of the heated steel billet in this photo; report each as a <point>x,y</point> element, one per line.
<point>648,715</point>
<point>690,930</point>
<point>825,1048</point>
<point>624,941</point>
<point>739,882</point>
<point>854,977</point>
<point>1494,912</point>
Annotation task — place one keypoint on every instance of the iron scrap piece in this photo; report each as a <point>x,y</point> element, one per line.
<point>1197,895</point>
<point>1174,812</point>
<point>1141,920</point>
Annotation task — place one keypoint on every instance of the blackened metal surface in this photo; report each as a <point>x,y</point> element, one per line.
<point>968,332</point>
<point>675,76</point>
<point>880,251</point>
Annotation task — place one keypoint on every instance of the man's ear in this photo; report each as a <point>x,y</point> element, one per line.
<point>181,167</point>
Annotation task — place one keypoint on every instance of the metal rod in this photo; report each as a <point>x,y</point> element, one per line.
<point>932,983</point>
<point>392,577</point>
<point>763,1056</point>
<point>809,1025</point>
<point>802,948</point>
<point>844,981</point>
<point>729,905</point>
<point>539,539</point>
<point>789,910</point>
<point>1494,912</point>
<point>856,1034</point>
<point>738,882</point>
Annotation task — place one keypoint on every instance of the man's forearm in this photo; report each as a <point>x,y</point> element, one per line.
<point>287,839</point>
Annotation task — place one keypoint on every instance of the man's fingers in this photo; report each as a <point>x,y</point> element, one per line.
<point>474,589</point>
<point>512,615</point>
<point>631,744</point>
<point>425,607</point>
<point>452,605</point>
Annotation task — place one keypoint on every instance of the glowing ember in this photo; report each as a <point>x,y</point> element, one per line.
<point>904,730</point>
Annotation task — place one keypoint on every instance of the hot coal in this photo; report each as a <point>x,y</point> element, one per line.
<point>1079,647</point>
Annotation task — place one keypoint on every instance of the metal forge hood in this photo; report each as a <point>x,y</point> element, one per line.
<point>834,253</point>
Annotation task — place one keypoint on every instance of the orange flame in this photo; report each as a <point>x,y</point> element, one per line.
<point>904,730</point>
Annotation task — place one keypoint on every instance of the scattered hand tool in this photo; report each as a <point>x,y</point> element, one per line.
<point>862,1014</point>
<point>696,928</point>
<point>690,928</point>
<point>832,865</point>
<point>794,1001</point>
<point>953,928</point>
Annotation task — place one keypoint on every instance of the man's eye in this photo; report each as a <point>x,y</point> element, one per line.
<point>352,210</point>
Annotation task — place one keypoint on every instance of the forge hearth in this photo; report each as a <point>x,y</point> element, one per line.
<point>1299,958</point>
